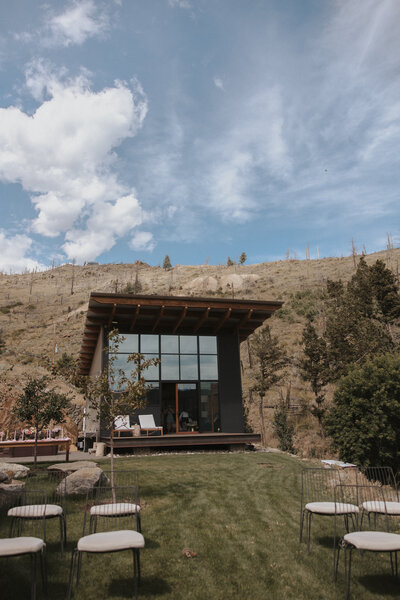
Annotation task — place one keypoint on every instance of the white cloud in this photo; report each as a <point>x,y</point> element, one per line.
<point>81,20</point>
<point>13,251</point>
<point>219,83</point>
<point>142,240</point>
<point>63,155</point>
<point>255,143</point>
<point>180,3</point>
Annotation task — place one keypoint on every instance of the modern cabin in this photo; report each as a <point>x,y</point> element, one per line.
<point>194,392</point>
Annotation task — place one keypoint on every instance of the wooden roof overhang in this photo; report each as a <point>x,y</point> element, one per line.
<point>170,314</point>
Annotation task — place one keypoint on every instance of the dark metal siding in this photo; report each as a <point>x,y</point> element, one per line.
<point>230,384</point>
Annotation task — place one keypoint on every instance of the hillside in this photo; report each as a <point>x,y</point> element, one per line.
<point>39,310</point>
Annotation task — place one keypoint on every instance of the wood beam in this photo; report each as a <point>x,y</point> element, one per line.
<point>158,319</point>
<point>223,320</point>
<point>267,305</point>
<point>179,321</point>
<point>245,319</point>
<point>135,316</point>
<point>202,319</point>
<point>112,315</point>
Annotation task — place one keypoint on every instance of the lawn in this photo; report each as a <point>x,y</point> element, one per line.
<point>238,512</point>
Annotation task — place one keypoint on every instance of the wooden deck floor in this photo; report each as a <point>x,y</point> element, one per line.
<point>185,440</point>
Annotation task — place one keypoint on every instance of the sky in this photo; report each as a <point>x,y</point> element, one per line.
<point>201,129</point>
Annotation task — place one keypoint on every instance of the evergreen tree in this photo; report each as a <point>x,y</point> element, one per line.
<point>270,362</point>
<point>167,262</point>
<point>358,323</point>
<point>364,421</point>
<point>243,258</point>
<point>229,262</point>
<point>315,367</point>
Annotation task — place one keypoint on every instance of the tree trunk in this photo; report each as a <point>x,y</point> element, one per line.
<point>261,412</point>
<point>112,467</point>
<point>35,448</point>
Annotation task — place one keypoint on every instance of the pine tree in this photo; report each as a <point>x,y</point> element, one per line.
<point>167,262</point>
<point>315,367</point>
<point>270,362</point>
<point>243,258</point>
<point>229,262</point>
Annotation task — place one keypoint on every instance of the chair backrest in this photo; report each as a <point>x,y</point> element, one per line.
<point>122,477</point>
<point>146,421</point>
<point>122,422</point>
<point>51,482</point>
<point>318,484</point>
<point>31,513</point>
<point>110,509</point>
<point>370,500</point>
<point>383,476</point>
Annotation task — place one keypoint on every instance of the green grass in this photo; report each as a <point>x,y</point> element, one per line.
<point>238,512</point>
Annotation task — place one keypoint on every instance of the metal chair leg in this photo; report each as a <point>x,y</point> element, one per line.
<point>135,581</point>
<point>336,564</point>
<point>43,568</point>
<point>301,525</point>
<point>60,521</point>
<point>308,522</point>
<point>33,576</point>
<point>348,574</point>
<point>71,574</point>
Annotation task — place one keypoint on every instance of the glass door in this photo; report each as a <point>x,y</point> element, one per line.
<point>187,417</point>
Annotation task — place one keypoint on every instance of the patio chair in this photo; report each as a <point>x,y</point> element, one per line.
<point>124,480</point>
<point>382,477</point>
<point>317,498</point>
<point>33,505</point>
<point>380,540</point>
<point>147,424</point>
<point>121,423</point>
<point>27,546</point>
<point>109,530</point>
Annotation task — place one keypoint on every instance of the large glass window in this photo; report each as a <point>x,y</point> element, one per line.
<point>209,406</point>
<point>188,344</point>
<point>170,344</point>
<point>130,344</point>
<point>169,367</point>
<point>189,367</point>
<point>149,343</point>
<point>208,344</point>
<point>183,357</point>
<point>208,366</point>
<point>152,372</point>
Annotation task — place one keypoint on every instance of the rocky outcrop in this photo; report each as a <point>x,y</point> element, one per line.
<point>14,470</point>
<point>82,481</point>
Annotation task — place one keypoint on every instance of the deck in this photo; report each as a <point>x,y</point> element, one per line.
<point>188,440</point>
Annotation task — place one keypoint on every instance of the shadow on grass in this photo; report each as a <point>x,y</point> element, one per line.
<point>387,585</point>
<point>123,588</point>
<point>166,490</point>
<point>151,544</point>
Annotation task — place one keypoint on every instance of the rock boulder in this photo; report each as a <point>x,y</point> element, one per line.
<point>71,467</point>
<point>14,470</point>
<point>82,481</point>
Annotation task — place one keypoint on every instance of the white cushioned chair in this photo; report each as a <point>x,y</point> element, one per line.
<point>380,540</point>
<point>31,546</point>
<point>112,510</point>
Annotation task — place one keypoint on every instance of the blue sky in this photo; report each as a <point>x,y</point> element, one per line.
<point>197,128</point>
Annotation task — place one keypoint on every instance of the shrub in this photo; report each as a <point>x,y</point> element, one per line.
<point>364,421</point>
<point>284,429</point>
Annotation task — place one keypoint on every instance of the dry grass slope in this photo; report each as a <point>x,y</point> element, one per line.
<point>38,310</point>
